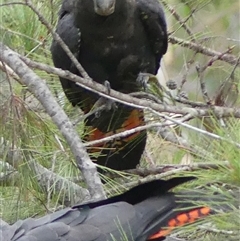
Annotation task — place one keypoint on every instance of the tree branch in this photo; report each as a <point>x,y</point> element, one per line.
<point>228,58</point>
<point>126,99</point>
<point>169,169</point>
<point>38,87</point>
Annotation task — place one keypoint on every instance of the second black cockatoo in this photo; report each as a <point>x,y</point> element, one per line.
<point>146,212</point>
<point>115,41</point>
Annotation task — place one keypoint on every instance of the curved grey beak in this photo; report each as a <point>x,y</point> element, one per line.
<point>104,7</point>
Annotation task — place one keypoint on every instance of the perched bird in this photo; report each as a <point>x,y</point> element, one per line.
<point>146,212</point>
<point>119,41</point>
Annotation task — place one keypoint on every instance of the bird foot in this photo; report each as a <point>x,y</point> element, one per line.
<point>144,79</point>
<point>104,104</point>
<point>108,86</point>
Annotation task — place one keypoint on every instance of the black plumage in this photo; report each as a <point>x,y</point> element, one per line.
<point>114,40</point>
<point>139,214</point>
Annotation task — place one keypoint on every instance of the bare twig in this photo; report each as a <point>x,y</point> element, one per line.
<point>123,134</point>
<point>200,72</point>
<point>59,40</point>
<point>228,58</point>
<point>94,111</point>
<point>225,89</point>
<point>179,20</point>
<point>187,66</point>
<point>183,143</point>
<point>212,135</point>
<point>155,177</point>
<point>189,102</point>
<point>131,101</point>
<point>169,169</point>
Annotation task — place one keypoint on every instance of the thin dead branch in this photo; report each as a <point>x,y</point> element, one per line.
<point>135,102</point>
<point>228,58</point>
<point>167,170</point>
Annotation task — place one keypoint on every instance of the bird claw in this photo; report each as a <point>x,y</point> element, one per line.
<point>103,103</point>
<point>106,105</point>
<point>108,86</point>
<point>144,79</point>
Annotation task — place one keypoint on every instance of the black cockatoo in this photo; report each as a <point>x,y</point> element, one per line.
<point>146,212</point>
<point>116,41</point>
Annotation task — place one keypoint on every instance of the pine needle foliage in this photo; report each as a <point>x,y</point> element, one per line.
<point>27,133</point>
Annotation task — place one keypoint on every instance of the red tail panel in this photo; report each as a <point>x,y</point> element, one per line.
<point>180,220</point>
